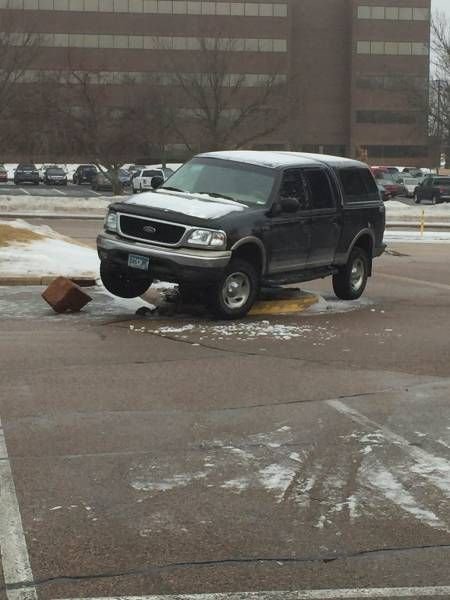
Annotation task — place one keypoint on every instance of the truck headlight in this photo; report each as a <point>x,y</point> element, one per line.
<point>205,237</point>
<point>111,221</point>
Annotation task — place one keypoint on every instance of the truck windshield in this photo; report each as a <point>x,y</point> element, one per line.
<point>248,184</point>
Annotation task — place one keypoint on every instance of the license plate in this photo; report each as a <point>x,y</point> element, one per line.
<point>138,262</point>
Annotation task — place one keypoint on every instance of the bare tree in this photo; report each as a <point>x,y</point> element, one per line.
<point>222,108</point>
<point>19,51</point>
<point>154,114</point>
<point>439,89</point>
<point>98,120</point>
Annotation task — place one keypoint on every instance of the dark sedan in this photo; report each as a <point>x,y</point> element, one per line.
<point>26,173</point>
<point>55,176</point>
<point>84,174</point>
<point>433,188</point>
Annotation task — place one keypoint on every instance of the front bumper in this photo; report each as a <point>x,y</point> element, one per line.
<point>169,264</point>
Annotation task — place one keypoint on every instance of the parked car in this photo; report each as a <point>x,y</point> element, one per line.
<point>387,169</point>
<point>231,222</point>
<point>3,174</point>
<point>412,171</point>
<point>84,174</point>
<point>42,169</point>
<point>55,176</point>
<point>26,173</point>
<point>389,181</point>
<point>142,179</point>
<point>410,184</point>
<point>435,188</point>
<point>102,182</point>
<point>385,195</point>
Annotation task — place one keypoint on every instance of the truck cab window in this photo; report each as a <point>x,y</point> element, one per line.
<point>319,189</point>
<point>293,186</point>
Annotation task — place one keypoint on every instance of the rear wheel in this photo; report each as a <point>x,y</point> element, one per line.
<point>233,296</point>
<point>350,282</point>
<point>122,282</point>
<point>416,198</point>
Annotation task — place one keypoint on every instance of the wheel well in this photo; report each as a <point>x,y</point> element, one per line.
<point>252,254</point>
<point>365,242</point>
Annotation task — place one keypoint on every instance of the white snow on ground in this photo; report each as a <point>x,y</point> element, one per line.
<point>56,204</point>
<point>25,302</point>
<point>395,209</point>
<point>51,255</point>
<point>243,331</point>
<point>332,304</point>
<point>393,490</point>
<point>429,237</point>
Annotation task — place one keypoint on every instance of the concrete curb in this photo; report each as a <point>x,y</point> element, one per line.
<point>36,280</point>
<point>100,217</point>
<point>78,217</point>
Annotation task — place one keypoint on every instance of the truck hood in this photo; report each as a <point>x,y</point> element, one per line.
<point>197,206</point>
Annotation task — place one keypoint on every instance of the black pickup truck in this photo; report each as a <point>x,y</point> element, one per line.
<point>231,222</point>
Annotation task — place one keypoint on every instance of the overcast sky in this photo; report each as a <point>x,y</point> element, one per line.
<point>441,5</point>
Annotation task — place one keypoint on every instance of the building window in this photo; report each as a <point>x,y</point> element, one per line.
<point>386,116</point>
<point>175,7</point>
<point>396,151</point>
<point>165,79</point>
<point>167,42</point>
<point>396,82</point>
<point>106,6</point>
<point>280,10</point>
<point>378,12</point>
<point>364,12</point>
<point>405,14</point>
<point>363,48</point>
<point>392,48</point>
<point>393,13</point>
<point>251,9</point>
<point>237,9</point>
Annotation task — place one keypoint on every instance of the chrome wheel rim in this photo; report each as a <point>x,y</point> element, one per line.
<point>236,290</point>
<point>357,274</point>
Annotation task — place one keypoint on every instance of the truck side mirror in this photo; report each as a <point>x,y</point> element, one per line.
<point>289,204</point>
<point>157,182</point>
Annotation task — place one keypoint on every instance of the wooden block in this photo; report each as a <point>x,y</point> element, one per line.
<point>65,296</point>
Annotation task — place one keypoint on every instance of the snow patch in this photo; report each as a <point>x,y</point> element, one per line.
<point>276,477</point>
<point>255,330</point>
<point>393,490</point>
<point>51,255</point>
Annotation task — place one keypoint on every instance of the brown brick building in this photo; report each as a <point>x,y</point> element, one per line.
<point>356,70</point>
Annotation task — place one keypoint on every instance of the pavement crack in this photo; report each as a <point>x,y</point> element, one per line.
<point>225,562</point>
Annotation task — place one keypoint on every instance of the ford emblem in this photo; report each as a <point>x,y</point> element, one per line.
<point>149,229</point>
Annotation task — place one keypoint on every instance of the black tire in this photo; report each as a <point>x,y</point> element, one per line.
<point>222,303</point>
<point>122,282</point>
<point>416,198</point>
<point>345,284</point>
<point>434,199</point>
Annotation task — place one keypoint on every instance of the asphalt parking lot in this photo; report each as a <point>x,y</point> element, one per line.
<point>70,190</point>
<point>78,191</point>
<point>179,455</point>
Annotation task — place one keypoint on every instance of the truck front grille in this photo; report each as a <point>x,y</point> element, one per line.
<point>150,230</point>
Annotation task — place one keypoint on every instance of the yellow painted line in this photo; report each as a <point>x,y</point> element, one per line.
<point>282,307</point>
